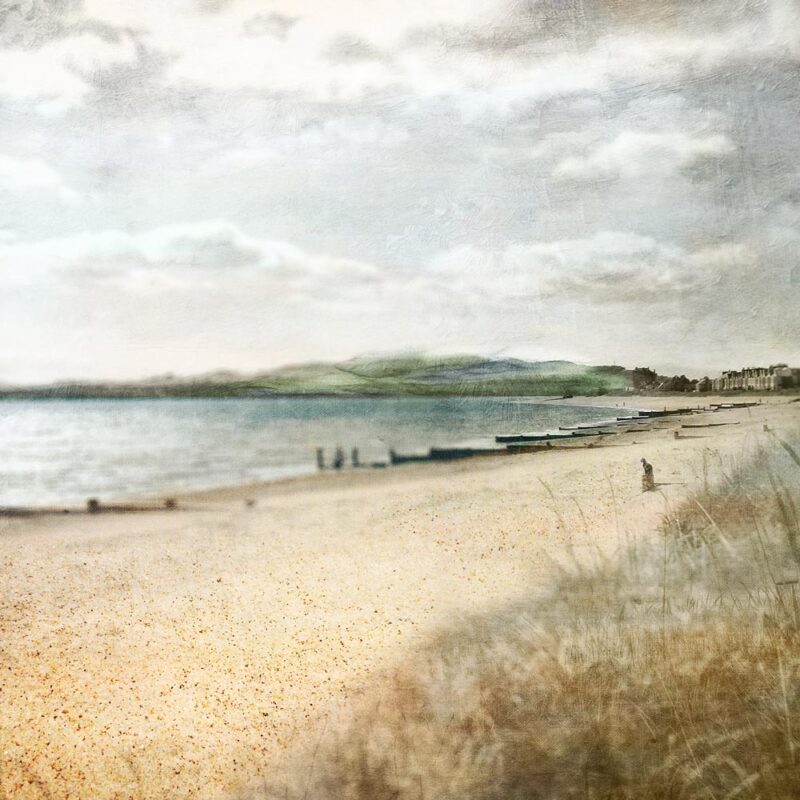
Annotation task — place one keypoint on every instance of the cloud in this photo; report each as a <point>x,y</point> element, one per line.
<point>31,23</point>
<point>610,268</point>
<point>351,50</point>
<point>632,154</point>
<point>131,86</point>
<point>520,28</point>
<point>209,253</point>
<point>21,176</point>
<point>491,52</point>
<point>540,50</point>
<point>57,73</point>
<point>213,6</point>
<point>276,25</point>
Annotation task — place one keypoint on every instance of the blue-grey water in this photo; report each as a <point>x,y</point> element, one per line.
<point>63,451</point>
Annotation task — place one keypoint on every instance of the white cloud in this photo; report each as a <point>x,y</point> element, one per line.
<point>633,154</point>
<point>609,268</point>
<point>55,74</point>
<point>20,176</point>
<point>211,254</point>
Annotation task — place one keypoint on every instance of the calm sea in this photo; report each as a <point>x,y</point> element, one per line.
<point>63,451</point>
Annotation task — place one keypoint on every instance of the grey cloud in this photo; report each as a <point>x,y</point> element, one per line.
<point>133,88</point>
<point>626,283</point>
<point>32,23</point>
<point>213,6</point>
<point>224,248</point>
<point>523,26</point>
<point>351,49</point>
<point>277,25</point>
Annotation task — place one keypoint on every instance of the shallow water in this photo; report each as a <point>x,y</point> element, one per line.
<point>63,451</point>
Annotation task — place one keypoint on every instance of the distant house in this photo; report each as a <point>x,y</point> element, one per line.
<point>758,379</point>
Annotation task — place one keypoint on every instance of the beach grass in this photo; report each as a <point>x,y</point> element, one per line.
<point>668,670</point>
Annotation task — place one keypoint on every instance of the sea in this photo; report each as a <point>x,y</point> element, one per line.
<point>61,452</point>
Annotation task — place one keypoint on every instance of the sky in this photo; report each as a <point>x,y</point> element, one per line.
<point>188,185</point>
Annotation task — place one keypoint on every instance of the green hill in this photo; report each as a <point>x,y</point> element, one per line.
<point>404,375</point>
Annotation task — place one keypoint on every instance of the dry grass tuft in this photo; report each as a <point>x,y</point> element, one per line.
<point>678,678</point>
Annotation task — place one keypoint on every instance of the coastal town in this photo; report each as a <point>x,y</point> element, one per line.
<point>773,378</point>
<point>758,379</point>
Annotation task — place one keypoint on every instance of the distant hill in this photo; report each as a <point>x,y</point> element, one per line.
<point>380,376</point>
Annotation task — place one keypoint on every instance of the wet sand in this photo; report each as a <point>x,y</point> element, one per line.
<point>180,653</point>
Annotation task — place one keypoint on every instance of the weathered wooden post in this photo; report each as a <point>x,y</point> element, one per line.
<point>338,458</point>
<point>320,458</point>
<point>354,458</point>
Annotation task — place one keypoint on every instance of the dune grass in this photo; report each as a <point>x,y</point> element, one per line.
<point>671,671</point>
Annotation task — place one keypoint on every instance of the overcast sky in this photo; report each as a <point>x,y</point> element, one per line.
<point>194,184</point>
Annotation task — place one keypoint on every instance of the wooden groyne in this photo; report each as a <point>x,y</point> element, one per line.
<point>445,454</point>
<point>641,421</point>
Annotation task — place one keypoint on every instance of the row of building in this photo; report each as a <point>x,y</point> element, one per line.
<point>758,379</point>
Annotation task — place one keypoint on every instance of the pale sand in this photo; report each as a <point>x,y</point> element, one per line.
<point>176,654</point>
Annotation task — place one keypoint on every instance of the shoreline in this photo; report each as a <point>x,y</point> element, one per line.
<point>156,501</point>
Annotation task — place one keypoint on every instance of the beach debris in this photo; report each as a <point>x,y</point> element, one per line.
<point>250,502</point>
<point>648,478</point>
<point>170,503</point>
<point>320,458</point>
<point>354,458</point>
<point>93,505</point>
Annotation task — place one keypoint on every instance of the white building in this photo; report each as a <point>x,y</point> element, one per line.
<point>758,379</point>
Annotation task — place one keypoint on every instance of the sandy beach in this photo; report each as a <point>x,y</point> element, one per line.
<point>182,653</point>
